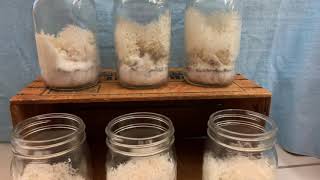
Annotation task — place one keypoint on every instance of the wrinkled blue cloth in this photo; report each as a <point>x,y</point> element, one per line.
<point>295,75</point>
<point>279,49</point>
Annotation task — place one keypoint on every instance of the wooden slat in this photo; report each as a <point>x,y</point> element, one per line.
<point>36,84</point>
<point>254,91</point>
<point>32,91</point>
<point>244,83</point>
<point>109,90</point>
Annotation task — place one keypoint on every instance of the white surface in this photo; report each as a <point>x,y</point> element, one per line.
<point>290,167</point>
<point>5,160</point>
<point>294,167</point>
<point>299,173</point>
<point>286,159</point>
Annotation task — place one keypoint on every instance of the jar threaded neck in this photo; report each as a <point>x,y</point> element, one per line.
<point>140,134</point>
<point>242,130</point>
<point>48,135</point>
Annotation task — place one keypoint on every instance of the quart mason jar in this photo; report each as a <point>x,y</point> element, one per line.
<point>142,40</point>
<point>241,145</point>
<point>212,41</point>
<point>141,148</point>
<point>65,33</point>
<point>50,146</point>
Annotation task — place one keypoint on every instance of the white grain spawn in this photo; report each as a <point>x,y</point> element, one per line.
<point>69,59</point>
<point>212,46</point>
<point>157,167</point>
<point>143,51</point>
<point>59,171</point>
<point>238,168</point>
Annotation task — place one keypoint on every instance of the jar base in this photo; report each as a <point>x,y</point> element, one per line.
<point>209,79</point>
<point>128,86</point>
<point>143,78</point>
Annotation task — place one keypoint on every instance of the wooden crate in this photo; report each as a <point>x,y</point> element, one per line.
<point>189,107</point>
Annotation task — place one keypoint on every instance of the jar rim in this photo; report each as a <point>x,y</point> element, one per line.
<point>20,145</point>
<point>213,118</point>
<point>234,139</point>
<point>153,143</point>
<point>110,133</point>
<point>40,118</point>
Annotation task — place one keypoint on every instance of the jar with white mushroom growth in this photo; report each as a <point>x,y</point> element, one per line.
<point>212,42</point>
<point>65,34</point>
<point>241,145</point>
<point>142,41</point>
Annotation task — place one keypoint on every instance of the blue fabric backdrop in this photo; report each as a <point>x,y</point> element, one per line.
<point>279,49</point>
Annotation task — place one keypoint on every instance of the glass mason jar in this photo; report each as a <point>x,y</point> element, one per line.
<point>212,41</point>
<point>50,146</point>
<point>141,148</point>
<point>241,145</point>
<point>142,40</point>
<point>65,33</point>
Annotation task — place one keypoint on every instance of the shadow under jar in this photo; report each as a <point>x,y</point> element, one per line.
<point>141,148</point>
<point>212,41</point>
<point>142,40</point>
<point>241,145</point>
<point>65,33</point>
<point>50,146</point>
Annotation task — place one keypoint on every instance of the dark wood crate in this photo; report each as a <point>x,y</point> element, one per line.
<point>189,107</point>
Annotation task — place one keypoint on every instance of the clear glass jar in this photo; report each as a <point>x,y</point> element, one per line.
<point>65,33</point>
<point>241,145</point>
<point>142,41</point>
<point>50,146</point>
<point>141,148</point>
<point>212,41</point>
